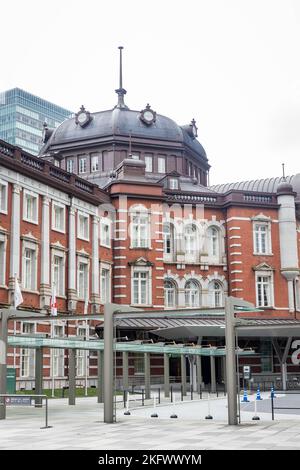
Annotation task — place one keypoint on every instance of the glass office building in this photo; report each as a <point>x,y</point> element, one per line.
<point>22,116</point>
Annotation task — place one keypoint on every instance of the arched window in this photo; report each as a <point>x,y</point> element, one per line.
<point>214,242</point>
<point>216,294</point>
<point>170,293</point>
<point>190,238</point>
<point>168,236</point>
<point>192,294</point>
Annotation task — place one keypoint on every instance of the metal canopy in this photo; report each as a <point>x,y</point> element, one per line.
<point>130,346</point>
<point>205,327</point>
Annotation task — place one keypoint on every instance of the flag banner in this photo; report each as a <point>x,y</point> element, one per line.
<point>18,298</point>
<point>53,304</point>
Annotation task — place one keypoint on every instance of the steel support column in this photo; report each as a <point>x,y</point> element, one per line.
<point>183,374</point>
<point>3,364</point>
<point>38,375</point>
<point>213,387</point>
<point>72,376</point>
<point>100,377</point>
<point>166,375</point>
<point>147,376</point>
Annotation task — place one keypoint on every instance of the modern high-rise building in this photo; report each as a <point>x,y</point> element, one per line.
<point>22,116</point>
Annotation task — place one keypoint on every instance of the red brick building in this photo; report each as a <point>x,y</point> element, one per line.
<point>117,208</point>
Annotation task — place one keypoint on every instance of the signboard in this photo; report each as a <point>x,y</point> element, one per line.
<point>247,372</point>
<point>19,401</point>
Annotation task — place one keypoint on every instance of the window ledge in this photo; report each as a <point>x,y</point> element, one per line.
<point>58,230</point>
<point>31,221</point>
<point>141,305</point>
<point>30,291</point>
<point>105,246</point>
<point>82,238</point>
<point>263,254</point>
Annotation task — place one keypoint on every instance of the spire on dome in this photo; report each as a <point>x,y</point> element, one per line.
<point>121,92</point>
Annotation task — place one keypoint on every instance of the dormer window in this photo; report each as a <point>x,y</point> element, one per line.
<point>173,183</point>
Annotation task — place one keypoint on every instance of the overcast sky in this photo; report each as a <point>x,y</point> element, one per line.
<point>233,65</point>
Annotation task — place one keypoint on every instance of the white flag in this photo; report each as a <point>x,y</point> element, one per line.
<point>53,304</point>
<point>18,298</point>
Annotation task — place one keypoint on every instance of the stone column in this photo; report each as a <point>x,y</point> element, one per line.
<point>15,239</point>
<point>95,296</point>
<point>45,289</point>
<point>72,294</point>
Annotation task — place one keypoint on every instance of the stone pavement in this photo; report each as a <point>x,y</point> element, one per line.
<point>82,427</point>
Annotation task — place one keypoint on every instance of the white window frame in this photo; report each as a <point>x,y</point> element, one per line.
<point>188,292</point>
<point>149,163</point>
<point>161,168</point>
<point>82,168</point>
<point>148,272</point>
<point>58,355</point>
<point>139,236</point>
<point>267,274</point>
<point>84,261</point>
<point>3,245</point>
<point>72,162</point>
<point>79,234</point>
<point>214,244</point>
<point>107,297</point>
<point>61,229</point>
<point>213,293</point>
<point>60,286</point>
<point>257,240</point>
<point>105,222</point>
<point>27,354</point>
<point>93,159</point>
<point>3,199</point>
<point>34,249</point>
<point>26,195</point>
<point>81,354</point>
<point>174,183</point>
<point>170,291</point>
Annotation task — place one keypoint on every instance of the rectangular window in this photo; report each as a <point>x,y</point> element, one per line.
<point>261,239</point>
<point>58,354</point>
<point>58,217</point>
<point>70,166</point>
<point>82,164</point>
<point>105,285</point>
<point>27,355</point>
<point>264,290</point>
<point>83,226</point>
<point>29,269</point>
<point>2,261</point>
<point>30,209</point>
<point>149,163</point>
<point>161,165</point>
<point>3,197</point>
<point>105,233</point>
<point>95,163</point>
<point>141,288</point>
<point>173,183</point>
<point>139,365</point>
<point>139,231</point>
<point>82,281</point>
<point>59,275</point>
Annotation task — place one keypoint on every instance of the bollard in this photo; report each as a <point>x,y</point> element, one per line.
<point>255,417</point>
<point>191,391</point>
<point>245,397</point>
<point>154,414</point>
<point>143,399</point>
<point>159,396</point>
<point>171,394</point>
<point>200,392</point>
<point>124,398</point>
<point>258,397</point>
<point>174,415</point>
<point>209,416</point>
<point>181,392</point>
<point>127,412</point>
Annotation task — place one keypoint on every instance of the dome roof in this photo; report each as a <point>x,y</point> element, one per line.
<point>121,122</point>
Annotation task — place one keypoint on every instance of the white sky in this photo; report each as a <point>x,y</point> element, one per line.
<point>233,65</point>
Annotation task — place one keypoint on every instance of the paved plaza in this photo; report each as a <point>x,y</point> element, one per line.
<point>82,427</point>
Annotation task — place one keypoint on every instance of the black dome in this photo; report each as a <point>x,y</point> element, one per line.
<point>121,122</point>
